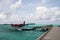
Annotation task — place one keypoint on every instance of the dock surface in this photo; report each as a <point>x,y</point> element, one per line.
<point>54,34</point>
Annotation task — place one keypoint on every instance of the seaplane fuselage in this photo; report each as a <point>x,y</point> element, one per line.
<point>18,25</point>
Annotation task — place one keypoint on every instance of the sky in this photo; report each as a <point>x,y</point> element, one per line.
<point>31,11</point>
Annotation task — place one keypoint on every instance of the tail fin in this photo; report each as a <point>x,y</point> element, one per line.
<point>24,22</point>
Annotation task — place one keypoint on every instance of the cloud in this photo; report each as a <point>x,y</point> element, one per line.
<point>42,13</point>
<point>2,16</point>
<point>9,13</point>
<point>4,4</point>
<point>51,14</point>
<point>8,8</point>
<point>16,5</point>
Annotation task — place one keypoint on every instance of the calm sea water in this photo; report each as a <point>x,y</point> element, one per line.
<point>6,34</point>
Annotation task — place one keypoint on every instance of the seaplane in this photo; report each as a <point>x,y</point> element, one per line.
<point>18,26</point>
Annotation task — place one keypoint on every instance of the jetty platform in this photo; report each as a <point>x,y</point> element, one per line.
<point>53,34</point>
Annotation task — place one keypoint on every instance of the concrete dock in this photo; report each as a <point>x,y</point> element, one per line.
<point>53,34</point>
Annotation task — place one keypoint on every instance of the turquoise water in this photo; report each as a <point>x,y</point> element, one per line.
<point>6,34</point>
